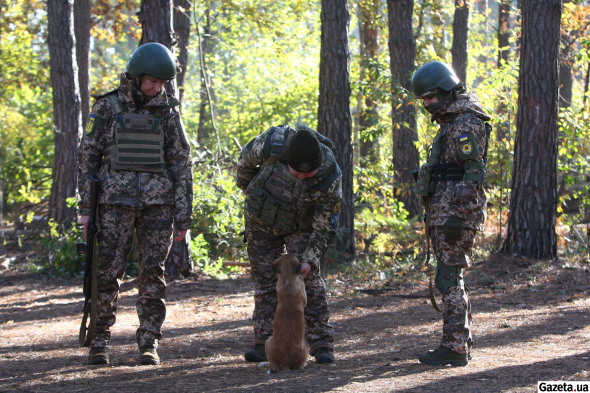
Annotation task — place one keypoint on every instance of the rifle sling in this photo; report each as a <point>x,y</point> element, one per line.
<point>86,334</point>
<point>428,265</point>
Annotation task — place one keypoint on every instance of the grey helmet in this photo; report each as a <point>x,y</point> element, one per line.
<point>434,77</point>
<point>152,59</point>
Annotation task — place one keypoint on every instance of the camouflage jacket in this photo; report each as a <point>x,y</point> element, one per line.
<point>174,186</point>
<point>463,199</point>
<point>316,200</point>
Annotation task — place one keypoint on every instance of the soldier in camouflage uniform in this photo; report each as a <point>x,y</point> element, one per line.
<point>454,197</point>
<point>135,141</point>
<point>293,192</point>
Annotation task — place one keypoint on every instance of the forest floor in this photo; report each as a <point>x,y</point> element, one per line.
<point>531,323</point>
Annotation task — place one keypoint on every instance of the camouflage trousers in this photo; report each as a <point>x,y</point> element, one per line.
<point>456,310</point>
<point>153,228</point>
<point>263,250</point>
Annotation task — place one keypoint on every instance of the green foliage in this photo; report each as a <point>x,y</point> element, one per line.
<point>63,257</point>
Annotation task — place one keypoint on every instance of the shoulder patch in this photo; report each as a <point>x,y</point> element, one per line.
<point>466,146</point>
<point>92,125</point>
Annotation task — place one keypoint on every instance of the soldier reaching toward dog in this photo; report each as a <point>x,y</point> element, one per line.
<point>137,145</point>
<point>454,198</point>
<point>293,192</point>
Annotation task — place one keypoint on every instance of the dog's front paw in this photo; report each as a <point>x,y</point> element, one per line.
<point>263,364</point>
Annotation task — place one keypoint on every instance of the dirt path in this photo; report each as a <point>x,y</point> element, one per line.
<point>525,331</point>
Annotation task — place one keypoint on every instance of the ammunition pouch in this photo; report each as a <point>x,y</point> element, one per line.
<point>271,211</point>
<point>423,181</point>
<point>447,277</point>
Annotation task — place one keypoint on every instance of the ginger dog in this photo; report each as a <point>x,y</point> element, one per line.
<point>286,349</point>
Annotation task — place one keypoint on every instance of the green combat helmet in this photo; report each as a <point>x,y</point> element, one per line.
<point>433,78</point>
<point>152,59</point>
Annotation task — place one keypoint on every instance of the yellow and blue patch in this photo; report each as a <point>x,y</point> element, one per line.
<point>90,124</point>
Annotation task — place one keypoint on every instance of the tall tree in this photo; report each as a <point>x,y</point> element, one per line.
<point>369,37</point>
<point>460,38</point>
<point>182,27</point>
<point>334,118</point>
<point>67,117</point>
<point>566,61</point>
<point>503,53</point>
<point>402,52</point>
<point>82,22</point>
<point>156,19</point>
<point>205,80</point>
<point>533,202</point>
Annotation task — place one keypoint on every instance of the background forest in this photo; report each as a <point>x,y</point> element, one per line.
<point>253,64</point>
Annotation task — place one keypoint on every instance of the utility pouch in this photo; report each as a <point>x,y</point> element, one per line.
<point>255,202</point>
<point>286,218</point>
<point>423,181</point>
<point>270,210</point>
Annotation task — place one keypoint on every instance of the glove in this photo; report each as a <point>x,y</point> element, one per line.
<point>453,229</point>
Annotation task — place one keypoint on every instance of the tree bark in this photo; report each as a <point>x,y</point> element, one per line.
<point>402,52</point>
<point>82,23</point>
<point>205,81</point>
<point>502,130</point>
<point>533,202</point>
<point>566,61</point>
<point>156,19</point>
<point>369,34</point>
<point>460,35</point>
<point>67,117</point>
<point>182,27</point>
<point>334,118</point>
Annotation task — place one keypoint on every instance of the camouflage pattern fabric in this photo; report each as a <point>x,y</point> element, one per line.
<point>316,199</point>
<point>134,189</point>
<point>456,304</point>
<point>463,199</point>
<point>153,228</point>
<point>263,250</point>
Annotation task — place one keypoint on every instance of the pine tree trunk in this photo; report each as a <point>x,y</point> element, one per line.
<point>369,34</point>
<point>82,22</point>
<point>460,36</point>
<point>533,202</point>
<point>402,51</point>
<point>67,117</point>
<point>182,27</point>
<point>156,19</point>
<point>203,51</point>
<point>334,118</point>
<point>502,130</point>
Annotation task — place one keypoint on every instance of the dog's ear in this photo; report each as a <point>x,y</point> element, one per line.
<point>297,268</point>
<point>276,266</point>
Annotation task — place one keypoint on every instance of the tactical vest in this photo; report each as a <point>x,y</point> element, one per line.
<point>275,198</point>
<point>433,172</point>
<point>138,143</point>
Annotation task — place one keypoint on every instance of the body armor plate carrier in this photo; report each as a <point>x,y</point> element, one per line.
<point>138,144</point>
<point>278,200</point>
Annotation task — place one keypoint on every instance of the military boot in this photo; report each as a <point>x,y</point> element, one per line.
<point>256,354</point>
<point>98,355</point>
<point>324,355</point>
<point>442,356</point>
<point>148,355</point>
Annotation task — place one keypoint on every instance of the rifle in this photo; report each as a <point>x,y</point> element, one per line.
<point>89,250</point>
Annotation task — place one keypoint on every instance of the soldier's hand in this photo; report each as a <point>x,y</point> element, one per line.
<point>180,235</point>
<point>85,220</point>
<point>305,269</point>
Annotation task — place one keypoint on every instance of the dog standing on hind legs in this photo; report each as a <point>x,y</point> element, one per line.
<point>286,348</point>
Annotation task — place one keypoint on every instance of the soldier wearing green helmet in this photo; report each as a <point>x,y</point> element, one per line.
<point>136,144</point>
<point>451,185</point>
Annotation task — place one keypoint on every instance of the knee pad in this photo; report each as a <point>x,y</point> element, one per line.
<point>446,277</point>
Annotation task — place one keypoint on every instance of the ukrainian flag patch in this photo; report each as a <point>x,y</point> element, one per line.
<point>90,123</point>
